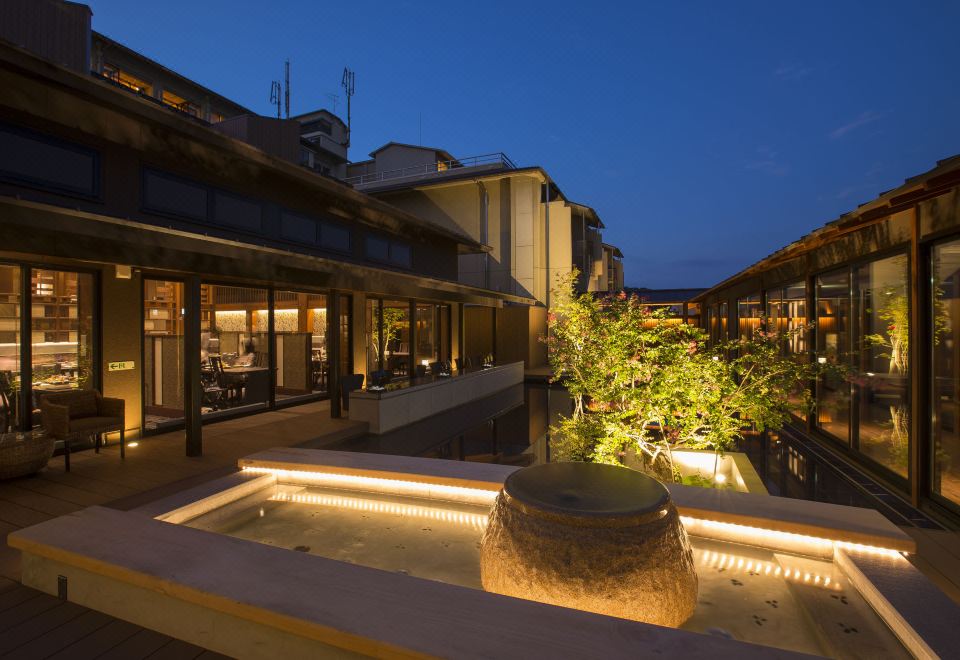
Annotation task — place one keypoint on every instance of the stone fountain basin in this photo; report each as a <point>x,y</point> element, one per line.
<point>246,598</point>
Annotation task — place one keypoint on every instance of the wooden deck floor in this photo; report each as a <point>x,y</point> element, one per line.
<point>36,625</point>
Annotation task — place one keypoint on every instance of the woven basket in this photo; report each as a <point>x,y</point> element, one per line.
<point>24,453</point>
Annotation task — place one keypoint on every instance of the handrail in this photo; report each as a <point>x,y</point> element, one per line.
<point>439,167</point>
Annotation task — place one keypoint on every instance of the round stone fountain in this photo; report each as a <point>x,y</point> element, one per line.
<point>599,538</point>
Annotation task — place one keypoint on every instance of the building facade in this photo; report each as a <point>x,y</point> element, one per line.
<point>532,233</point>
<point>876,293</point>
<point>147,254</point>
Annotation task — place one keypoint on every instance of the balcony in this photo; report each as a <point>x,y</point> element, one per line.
<point>486,162</point>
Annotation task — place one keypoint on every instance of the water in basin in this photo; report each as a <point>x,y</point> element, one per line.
<point>746,593</point>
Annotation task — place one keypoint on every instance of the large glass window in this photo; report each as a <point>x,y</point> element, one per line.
<point>833,347</point>
<point>787,313</point>
<point>372,331</point>
<point>163,361</point>
<point>749,316</point>
<point>396,337</point>
<point>61,328</point>
<point>300,323</point>
<point>427,340</point>
<point>883,329</point>
<point>945,353</point>
<point>9,347</point>
<point>693,314</point>
<point>234,347</point>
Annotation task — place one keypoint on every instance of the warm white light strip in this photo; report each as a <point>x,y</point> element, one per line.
<point>798,543</point>
<point>477,521</point>
<point>381,485</point>
<point>738,564</point>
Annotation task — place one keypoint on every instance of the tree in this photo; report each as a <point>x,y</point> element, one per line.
<point>642,381</point>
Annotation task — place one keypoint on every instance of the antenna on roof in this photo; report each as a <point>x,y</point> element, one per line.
<point>348,82</point>
<point>275,95</point>
<point>286,93</point>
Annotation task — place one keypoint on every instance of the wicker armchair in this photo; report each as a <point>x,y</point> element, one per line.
<point>24,453</point>
<point>70,416</point>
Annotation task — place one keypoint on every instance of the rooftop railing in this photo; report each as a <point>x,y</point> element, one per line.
<point>491,161</point>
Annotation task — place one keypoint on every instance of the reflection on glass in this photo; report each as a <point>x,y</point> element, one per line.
<point>426,335</point>
<point>713,320</point>
<point>162,353</point>
<point>883,310</point>
<point>833,337</point>
<point>300,324</point>
<point>9,347</point>
<point>693,314</point>
<point>346,328</point>
<point>749,316</point>
<point>945,400</point>
<point>373,339</point>
<point>396,337</point>
<point>234,347</point>
<point>787,313</point>
<point>61,329</point>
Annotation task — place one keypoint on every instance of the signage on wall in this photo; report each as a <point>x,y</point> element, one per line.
<point>120,366</point>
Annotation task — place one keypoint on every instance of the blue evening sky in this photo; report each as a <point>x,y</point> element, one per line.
<point>705,134</point>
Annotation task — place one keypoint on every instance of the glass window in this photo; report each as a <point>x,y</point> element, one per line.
<point>377,248</point>
<point>61,328</point>
<point>234,347</point>
<point>396,337</point>
<point>724,317</point>
<point>346,335</point>
<point>833,347</point>
<point>9,347</point>
<point>163,362</point>
<point>786,313</point>
<point>693,314</point>
<point>883,314</point>
<point>749,316</point>
<point>945,350</point>
<point>300,323</point>
<point>374,345</point>
<point>426,335</point>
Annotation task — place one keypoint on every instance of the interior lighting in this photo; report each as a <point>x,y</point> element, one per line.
<point>475,520</point>
<point>381,485</point>
<point>720,478</point>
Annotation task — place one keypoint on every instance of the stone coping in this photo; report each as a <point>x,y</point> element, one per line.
<point>816,519</point>
<point>349,607</point>
<point>482,476</point>
<point>437,382</point>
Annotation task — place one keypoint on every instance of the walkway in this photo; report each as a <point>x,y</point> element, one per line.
<point>156,467</point>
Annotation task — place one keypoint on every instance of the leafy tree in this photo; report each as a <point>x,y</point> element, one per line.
<point>644,382</point>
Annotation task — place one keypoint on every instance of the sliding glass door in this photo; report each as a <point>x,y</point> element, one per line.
<point>163,358</point>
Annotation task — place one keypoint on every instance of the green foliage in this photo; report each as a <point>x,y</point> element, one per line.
<point>644,382</point>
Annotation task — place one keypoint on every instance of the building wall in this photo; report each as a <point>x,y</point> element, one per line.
<point>56,31</point>
<point>397,157</point>
<point>122,337</point>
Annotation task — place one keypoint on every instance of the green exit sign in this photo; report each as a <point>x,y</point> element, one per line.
<point>120,366</point>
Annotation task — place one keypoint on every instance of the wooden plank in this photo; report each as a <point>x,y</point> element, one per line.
<point>39,626</point>
<point>63,492</point>
<point>27,610</point>
<point>51,506</point>
<point>62,636</point>
<point>14,597</point>
<point>20,516</point>
<point>139,645</point>
<point>99,642</point>
<point>176,649</point>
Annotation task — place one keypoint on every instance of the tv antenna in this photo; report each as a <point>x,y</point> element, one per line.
<point>348,82</point>
<point>286,93</point>
<point>275,90</point>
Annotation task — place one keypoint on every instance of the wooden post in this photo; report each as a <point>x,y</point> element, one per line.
<point>271,348</point>
<point>192,385</point>
<point>333,352</point>
<point>917,359</point>
<point>26,352</point>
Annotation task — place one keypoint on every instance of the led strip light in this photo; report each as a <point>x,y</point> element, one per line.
<point>477,521</point>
